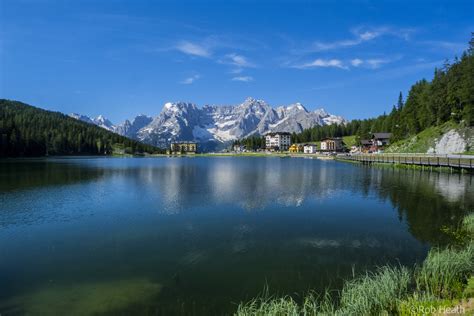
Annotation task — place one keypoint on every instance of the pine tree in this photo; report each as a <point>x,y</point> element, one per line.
<point>400,101</point>
<point>470,50</point>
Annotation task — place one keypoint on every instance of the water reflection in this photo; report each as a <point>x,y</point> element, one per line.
<point>171,186</point>
<point>255,184</point>
<point>252,184</point>
<point>204,232</point>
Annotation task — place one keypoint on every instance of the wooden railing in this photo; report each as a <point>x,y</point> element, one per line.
<point>417,159</point>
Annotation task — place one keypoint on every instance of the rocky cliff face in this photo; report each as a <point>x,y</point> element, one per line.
<point>454,141</point>
<point>214,125</point>
<point>448,138</point>
<point>451,142</point>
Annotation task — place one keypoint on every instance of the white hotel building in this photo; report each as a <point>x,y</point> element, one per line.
<point>280,141</point>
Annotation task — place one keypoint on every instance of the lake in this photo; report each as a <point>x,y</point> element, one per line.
<point>197,235</point>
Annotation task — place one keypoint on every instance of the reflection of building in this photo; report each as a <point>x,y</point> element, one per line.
<point>183,148</point>
<point>310,148</point>
<point>296,148</point>
<point>331,144</point>
<point>278,141</point>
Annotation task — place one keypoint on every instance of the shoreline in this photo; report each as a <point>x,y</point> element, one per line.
<point>443,282</point>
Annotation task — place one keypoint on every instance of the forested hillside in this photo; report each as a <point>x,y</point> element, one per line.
<point>449,96</point>
<point>27,131</point>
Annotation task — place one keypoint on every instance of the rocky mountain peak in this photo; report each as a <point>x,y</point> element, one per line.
<point>217,124</point>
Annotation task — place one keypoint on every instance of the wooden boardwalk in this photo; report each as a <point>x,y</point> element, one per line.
<point>450,161</point>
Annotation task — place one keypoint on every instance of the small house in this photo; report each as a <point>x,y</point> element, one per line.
<point>331,144</point>
<point>380,141</point>
<point>310,148</point>
<point>296,148</point>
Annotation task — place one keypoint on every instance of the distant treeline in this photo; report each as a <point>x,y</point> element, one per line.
<point>448,97</point>
<point>251,142</point>
<point>27,131</point>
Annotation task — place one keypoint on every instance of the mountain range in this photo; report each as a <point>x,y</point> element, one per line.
<point>212,126</point>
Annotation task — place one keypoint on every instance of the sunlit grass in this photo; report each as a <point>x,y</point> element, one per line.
<point>445,272</point>
<point>375,293</point>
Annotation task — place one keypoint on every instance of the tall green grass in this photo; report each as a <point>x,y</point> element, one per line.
<point>375,293</point>
<point>445,272</point>
<point>441,277</point>
<point>265,304</point>
<point>371,294</point>
<point>468,225</point>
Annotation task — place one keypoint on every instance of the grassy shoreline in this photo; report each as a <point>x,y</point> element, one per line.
<point>444,282</point>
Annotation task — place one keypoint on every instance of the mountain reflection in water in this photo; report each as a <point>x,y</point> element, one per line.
<point>202,233</point>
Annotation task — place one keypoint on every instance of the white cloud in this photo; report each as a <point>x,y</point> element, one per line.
<point>193,49</point>
<point>190,80</point>
<point>367,35</point>
<point>375,63</point>
<point>372,63</point>
<point>356,62</point>
<point>238,61</point>
<point>243,78</point>
<point>359,38</point>
<point>360,35</point>
<point>323,63</point>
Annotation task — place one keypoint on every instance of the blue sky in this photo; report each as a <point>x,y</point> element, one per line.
<point>123,58</point>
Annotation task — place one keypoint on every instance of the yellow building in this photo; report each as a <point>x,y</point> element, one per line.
<point>296,148</point>
<point>183,148</point>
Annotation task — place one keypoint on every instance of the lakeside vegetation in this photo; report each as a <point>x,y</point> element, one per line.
<point>444,281</point>
<point>27,131</point>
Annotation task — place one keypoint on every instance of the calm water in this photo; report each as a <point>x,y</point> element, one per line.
<point>198,235</point>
